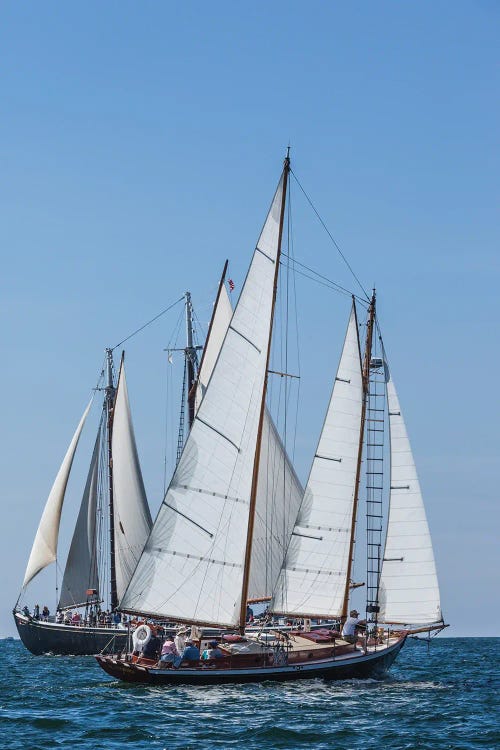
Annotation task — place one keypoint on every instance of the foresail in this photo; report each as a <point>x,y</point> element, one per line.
<point>192,566</point>
<point>44,550</point>
<point>279,495</point>
<point>409,591</point>
<point>80,573</point>
<point>132,517</point>
<point>313,577</point>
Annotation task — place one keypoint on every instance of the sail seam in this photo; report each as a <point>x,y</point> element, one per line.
<point>328,458</point>
<point>174,553</point>
<point>209,492</point>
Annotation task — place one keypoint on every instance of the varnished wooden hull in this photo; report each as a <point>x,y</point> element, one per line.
<point>357,665</point>
<point>41,637</point>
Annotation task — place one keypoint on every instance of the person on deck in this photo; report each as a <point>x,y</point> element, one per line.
<point>180,640</point>
<point>349,631</point>
<point>249,613</point>
<point>26,611</point>
<point>212,652</point>
<point>45,613</point>
<point>36,612</point>
<point>168,652</point>
<point>191,653</point>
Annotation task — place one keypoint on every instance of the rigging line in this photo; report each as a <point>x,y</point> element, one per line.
<point>337,287</point>
<point>330,285</point>
<point>149,322</point>
<point>330,234</point>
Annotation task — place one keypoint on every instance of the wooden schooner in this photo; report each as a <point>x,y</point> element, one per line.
<point>201,555</point>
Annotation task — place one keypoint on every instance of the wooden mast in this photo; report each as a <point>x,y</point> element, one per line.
<point>255,475</point>
<point>109,406</point>
<point>366,385</point>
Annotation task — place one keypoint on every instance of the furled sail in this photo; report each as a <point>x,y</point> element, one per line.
<point>279,492</point>
<point>192,566</point>
<point>80,573</point>
<point>409,591</point>
<point>44,550</point>
<point>132,518</point>
<point>313,577</point>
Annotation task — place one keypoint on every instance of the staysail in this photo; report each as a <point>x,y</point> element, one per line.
<point>44,550</point>
<point>192,566</point>
<point>409,591</point>
<point>279,491</point>
<point>80,573</point>
<point>313,577</point>
<point>132,517</point>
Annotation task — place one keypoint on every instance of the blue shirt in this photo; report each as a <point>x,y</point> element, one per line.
<point>191,653</point>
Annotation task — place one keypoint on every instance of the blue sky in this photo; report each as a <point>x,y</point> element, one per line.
<point>141,144</point>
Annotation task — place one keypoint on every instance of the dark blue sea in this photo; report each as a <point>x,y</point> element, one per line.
<point>444,698</point>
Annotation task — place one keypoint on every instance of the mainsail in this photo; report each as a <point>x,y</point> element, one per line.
<point>313,577</point>
<point>279,492</point>
<point>409,591</point>
<point>44,550</point>
<point>132,518</point>
<point>192,566</point>
<point>81,573</point>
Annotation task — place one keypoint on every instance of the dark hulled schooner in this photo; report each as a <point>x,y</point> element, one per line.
<point>201,556</point>
<point>114,491</point>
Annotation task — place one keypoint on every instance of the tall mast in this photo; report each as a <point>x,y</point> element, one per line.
<point>109,402</point>
<point>255,475</point>
<point>366,384</point>
<point>191,359</point>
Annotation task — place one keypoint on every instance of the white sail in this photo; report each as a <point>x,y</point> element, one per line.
<point>279,492</point>
<point>314,575</point>
<point>44,550</point>
<point>409,591</point>
<point>222,315</point>
<point>132,518</point>
<point>279,495</point>
<point>80,573</point>
<point>192,566</point>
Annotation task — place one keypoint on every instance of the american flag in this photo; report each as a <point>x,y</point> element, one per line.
<point>231,285</point>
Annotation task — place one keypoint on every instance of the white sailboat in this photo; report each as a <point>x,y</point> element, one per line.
<point>196,566</point>
<point>114,482</point>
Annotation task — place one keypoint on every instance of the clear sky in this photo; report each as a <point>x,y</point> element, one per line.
<point>141,144</point>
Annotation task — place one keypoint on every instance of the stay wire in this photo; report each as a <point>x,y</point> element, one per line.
<point>149,322</point>
<point>329,234</point>
<point>320,278</point>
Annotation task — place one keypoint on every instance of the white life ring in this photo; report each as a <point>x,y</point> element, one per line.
<point>141,636</point>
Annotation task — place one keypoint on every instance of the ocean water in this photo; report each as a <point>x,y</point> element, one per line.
<point>444,698</point>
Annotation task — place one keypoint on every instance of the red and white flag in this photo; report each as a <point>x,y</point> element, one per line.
<point>231,285</point>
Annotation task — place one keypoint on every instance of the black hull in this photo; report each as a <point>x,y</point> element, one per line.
<point>43,638</point>
<point>359,666</point>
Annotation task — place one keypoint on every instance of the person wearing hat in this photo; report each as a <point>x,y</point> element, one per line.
<point>180,640</point>
<point>349,631</point>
